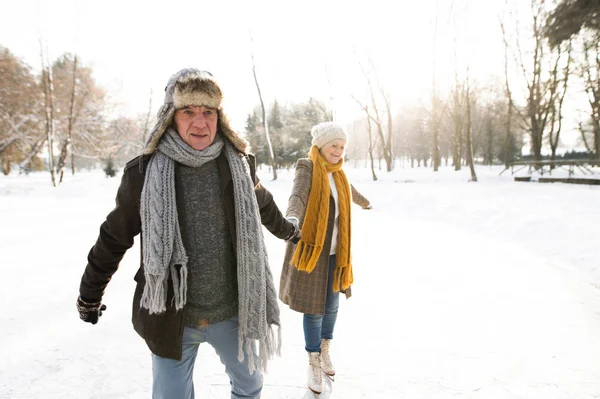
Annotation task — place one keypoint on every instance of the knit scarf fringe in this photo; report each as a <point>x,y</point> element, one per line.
<point>267,347</point>
<point>154,295</point>
<point>306,256</point>
<point>309,248</point>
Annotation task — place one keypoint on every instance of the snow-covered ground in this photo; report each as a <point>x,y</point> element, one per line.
<point>463,290</point>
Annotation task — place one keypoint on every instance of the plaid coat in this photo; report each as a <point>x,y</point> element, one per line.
<point>301,291</point>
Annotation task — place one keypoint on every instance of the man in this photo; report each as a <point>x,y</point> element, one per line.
<point>204,274</point>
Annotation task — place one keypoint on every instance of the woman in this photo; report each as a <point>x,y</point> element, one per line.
<point>319,266</point>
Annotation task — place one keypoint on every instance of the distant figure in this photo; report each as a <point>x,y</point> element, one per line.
<point>319,267</point>
<point>204,274</point>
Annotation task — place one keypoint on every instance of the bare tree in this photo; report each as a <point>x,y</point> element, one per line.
<point>147,119</point>
<point>265,122</point>
<point>48,109</point>
<point>365,108</point>
<point>375,116</point>
<point>558,88</point>
<point>21,139</point>
<point>387,146</point>
<point>33,151</point>
<point>456,110</point>
<point>330,115</point>
<point>541,84</point>
<point>589,70</point>
<point>537,106</point>
<point>321,109</point>
<point>66,145</point>
<point>371,146</point>
<point>468,130</point>
<point>508,156</point>
<point>435,113</point>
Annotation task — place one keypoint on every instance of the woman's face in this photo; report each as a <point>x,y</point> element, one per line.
<point>333,151</point>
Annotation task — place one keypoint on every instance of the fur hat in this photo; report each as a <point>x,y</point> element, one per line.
<point>325,132</point>
<point>192,87</point>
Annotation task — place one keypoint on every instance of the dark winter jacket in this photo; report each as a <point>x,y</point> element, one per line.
<point>162,333</point>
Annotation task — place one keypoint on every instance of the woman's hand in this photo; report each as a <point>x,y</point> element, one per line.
<point>296,234</point>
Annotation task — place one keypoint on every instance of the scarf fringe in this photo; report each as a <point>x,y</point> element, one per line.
<point>179,286</point>
<point>267,346</point>
<point>258,307</point>
<point>154,296</point>
<point>306,256</point>
<point>342,277</point>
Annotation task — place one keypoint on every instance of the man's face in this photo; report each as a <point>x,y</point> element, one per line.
<point>197,126</point>
<point>333,151</point>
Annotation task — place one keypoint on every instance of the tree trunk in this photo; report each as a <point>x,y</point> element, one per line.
<point>434,109</point>
<point>468,133</point>
<point>436,147</point>
<point>387,150</point>
<point>35,149</point>
<point>592,88</point>
<point>66,145</point>
<point>265,123</point>
<point>508,156</point>
<point>371,148</point>
<point>489,153</point>
<point>560,92</point>
<point>48,113</point>
<point>597,144</point>
<point>457,143</point>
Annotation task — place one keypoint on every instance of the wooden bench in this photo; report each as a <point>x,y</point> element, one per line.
<point>547,165</point>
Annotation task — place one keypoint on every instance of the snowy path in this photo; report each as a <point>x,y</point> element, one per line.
<point>440,310</point>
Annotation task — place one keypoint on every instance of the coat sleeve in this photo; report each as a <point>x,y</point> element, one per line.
<point>270,215</point>
<point>301,190</point>
<point>116,237</point>
<point>359,199</point>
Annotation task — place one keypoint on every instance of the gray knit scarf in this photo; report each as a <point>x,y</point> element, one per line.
<point>163,246</point>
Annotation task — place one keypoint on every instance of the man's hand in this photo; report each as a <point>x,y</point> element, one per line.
<point>90,311</point>
<point>368,208</point>
<point>296,234</point>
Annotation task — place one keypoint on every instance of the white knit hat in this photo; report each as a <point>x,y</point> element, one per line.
<point>325,132</point>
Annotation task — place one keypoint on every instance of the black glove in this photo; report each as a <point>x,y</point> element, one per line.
<point>90,311</point>
<point>296,234</point>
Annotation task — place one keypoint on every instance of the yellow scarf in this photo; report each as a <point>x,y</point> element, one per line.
<point>314,228</point>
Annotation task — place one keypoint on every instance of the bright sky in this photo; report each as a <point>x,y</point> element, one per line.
<point>302,49</point>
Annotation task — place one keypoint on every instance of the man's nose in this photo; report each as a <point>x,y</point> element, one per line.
<point>199,120</point>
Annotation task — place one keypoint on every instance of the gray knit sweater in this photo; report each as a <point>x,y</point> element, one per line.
<point>212,281</point>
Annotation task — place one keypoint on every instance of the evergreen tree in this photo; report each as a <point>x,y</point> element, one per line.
<point>569,17</point>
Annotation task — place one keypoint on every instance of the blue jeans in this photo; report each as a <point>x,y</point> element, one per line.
<point>317,326</point>
<point>173,379</point>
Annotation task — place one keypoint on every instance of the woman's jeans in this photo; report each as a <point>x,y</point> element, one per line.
<point>173,379</point>
<point>317,326</point>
